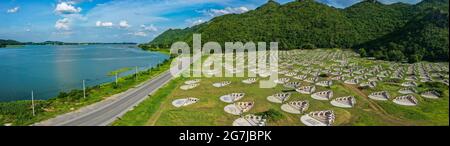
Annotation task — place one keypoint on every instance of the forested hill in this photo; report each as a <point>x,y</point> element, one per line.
<point>3,43</point>
<point>392,32</point>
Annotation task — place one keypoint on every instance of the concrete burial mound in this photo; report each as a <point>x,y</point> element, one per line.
<point>300,77</point>
<point>323,95</point>
<point>295,107</point>
<point>344,102</point>
<point>430,94</point>
<point>351,81</point>
<point>292,85</point>
<point>306,89</point>
<point>231,98</point>
<point>221,84</point>
<point>324,83</point>
<point>290,74</point>
<point>407,100</point>
<point>371,84</point>
<point>250,120</point>
<point>238,108</point>
<point>312,80</point>
<point>408,90</point>
<point>194,81</point>
<point>409,84</point>
<point>279,97</point>
<point>184,101</point>
<point>318,118</point>
<point>281,80</point>
<point>382,95</point>
<point>188,87</point>
<point>249,81</point>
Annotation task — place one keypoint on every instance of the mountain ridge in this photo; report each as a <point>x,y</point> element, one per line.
<point>309,24</point>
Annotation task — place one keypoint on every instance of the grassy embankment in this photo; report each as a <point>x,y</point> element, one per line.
<point>20,112</point>
<point>161,50</point>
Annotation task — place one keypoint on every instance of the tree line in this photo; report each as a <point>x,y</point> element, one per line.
<point>396,32</point>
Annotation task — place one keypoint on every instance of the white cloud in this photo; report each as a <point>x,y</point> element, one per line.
<point>13,10</point>
<point>63,33</point>
<point>197,22</point>
<point>124,24</point>
<point>149,28</point>
<point>67,8</point>
<point>74,1</point>
<point>104,24</point>
<point>228,10</point>
<point>139,33</point>
<point>63,24</point>
<point>140,11</point>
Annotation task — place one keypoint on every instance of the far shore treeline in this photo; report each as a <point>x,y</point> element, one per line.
<point>394,32</point>
<point>4,43</point>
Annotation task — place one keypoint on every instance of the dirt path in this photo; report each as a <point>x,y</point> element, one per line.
<point>156,115</point>
<point>377,108</point>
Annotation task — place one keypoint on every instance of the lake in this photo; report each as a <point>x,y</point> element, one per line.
<point>48,70</point>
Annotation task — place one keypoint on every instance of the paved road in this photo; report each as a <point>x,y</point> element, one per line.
<point>107,112</point>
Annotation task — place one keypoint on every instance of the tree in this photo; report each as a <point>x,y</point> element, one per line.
<point>414,58</point>
<point>309,46</point>
<point>308,24</point>
<point>395,55</point>
<point>379,55</point>
<point>362,52</point>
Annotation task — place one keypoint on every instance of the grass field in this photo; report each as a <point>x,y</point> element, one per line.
<point>158,110</point>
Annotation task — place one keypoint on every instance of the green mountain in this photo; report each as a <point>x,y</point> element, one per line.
<point>385,31</point>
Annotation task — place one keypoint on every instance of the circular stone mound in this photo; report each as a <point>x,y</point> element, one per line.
<point>407,100</point>
<point>184,101</point>
<point>309,121</point>
<point>230,98</point>
<point>274,99</point>
<point>192,81</point>
<point>288,108</point>
<point>406,91</point>
<point>317,96</point>
<point>232,109</point>
<point>430,95</point>
<point>221,84</point>
<point>188,87</point>
<point>249,81</point>
<point>247,121</point>
<point>399,102</point>
<point>340,104</point>
<point>378,97</point>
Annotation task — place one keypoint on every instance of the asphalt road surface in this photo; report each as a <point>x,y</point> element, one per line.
<point>109,113</point>
<point>105,114</point>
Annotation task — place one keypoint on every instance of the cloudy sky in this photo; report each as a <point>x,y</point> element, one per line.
<point>117,20</point>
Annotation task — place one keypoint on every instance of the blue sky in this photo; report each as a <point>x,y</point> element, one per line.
<point>117,20</point>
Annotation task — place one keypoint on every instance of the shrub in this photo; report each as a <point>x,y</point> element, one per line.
<point>271,114</point>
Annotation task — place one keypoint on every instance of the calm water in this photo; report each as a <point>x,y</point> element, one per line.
<point>49,70</point>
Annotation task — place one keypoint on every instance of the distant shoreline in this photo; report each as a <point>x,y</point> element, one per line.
<point>62,44</point>
<point>6,43</point>
<point>18,46</point>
